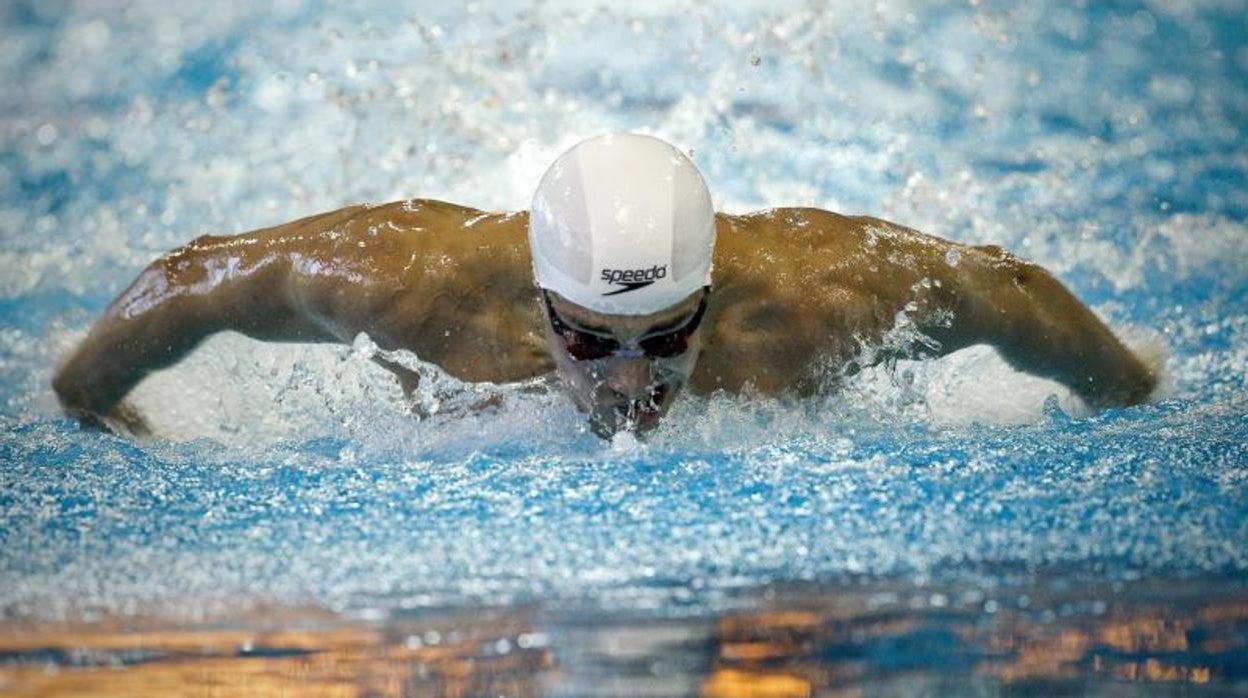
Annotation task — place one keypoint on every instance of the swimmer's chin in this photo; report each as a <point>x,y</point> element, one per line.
<point>608,430</point>
<point>607,423</point>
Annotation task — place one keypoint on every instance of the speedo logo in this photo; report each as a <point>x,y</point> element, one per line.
<point>632,279</point>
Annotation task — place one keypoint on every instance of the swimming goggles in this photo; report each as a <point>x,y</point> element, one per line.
<point>583,345</point>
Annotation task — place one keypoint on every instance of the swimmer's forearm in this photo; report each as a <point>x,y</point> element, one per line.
<point>117,354</point>
<point>155,323</point>
<point>1041,327</point>
<point>208,286</point>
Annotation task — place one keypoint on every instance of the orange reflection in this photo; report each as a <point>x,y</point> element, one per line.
<point>729,683</point>
<point>828,645</point>
<point>470,656</point>
<point>816,643</point>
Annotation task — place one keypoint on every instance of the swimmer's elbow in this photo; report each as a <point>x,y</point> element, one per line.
<point>1002,271</point>
<point>998,292</point>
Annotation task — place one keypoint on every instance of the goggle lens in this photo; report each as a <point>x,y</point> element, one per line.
<point>588,346</point>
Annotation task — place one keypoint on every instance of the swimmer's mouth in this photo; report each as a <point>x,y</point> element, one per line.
<point>640,415</point>
<point>631,415</point>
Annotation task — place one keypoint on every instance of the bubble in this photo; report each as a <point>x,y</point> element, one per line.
<point>273,94</point>
<point>1143,23</point>
<point>95,35</point>
<point>97,128</point>
<point>46,134</point>
<point>532,640</point>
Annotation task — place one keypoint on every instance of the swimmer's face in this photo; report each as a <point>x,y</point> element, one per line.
<point>624,370</point>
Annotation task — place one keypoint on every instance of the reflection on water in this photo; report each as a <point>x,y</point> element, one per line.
<point>1037,639</point>
<point>315,654</point>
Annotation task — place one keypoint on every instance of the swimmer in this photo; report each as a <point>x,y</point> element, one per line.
<point>641,290</point>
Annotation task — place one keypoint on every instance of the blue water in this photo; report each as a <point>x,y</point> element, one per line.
<point>1107,142</point>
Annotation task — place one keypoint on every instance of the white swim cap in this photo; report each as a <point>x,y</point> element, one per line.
<point>622,224</point>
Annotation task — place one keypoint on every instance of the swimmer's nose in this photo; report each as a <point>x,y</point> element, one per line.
<point>630,377</point>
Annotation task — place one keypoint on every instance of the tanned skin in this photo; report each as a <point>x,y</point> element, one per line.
<point>798,297</point>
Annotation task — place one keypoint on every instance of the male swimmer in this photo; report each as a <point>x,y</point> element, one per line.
<point>641,289</point>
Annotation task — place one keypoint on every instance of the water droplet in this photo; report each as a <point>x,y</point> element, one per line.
<point>532,640</point>
<point>46,135</point>
<point>95,35</point>
<point>952,257</point>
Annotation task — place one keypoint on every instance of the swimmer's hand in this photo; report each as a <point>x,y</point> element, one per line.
<point>124,420</point>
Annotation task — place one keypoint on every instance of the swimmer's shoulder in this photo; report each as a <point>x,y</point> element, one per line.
<point>796,235</point>
<point>433,227</point>
<point>795,224</point>
<point>430,216</point>
<point>806,229</point>
<point>411,243</point>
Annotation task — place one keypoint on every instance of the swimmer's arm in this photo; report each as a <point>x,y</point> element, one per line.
<point>1041,328</point>
<point>248,283</point>
<point>960,296</point>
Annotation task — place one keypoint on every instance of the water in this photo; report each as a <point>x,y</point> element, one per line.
<point>288,490</point>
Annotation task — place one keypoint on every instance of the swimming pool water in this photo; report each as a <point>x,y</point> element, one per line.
<point>1106,142</point>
